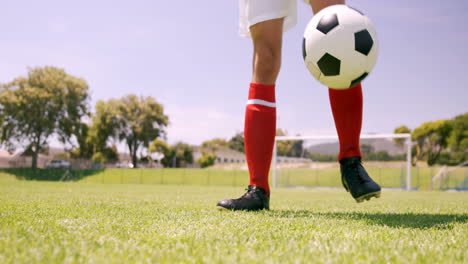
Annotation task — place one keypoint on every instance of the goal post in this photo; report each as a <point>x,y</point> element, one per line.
<point>321,138</point>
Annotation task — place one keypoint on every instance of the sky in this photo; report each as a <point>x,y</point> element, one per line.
<point>189,56</point>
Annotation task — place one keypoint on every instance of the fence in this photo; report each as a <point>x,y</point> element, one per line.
<point>330,177</point>
<point>387,177</point>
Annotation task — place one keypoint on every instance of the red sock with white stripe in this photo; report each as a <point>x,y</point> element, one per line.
<point>347,111</point>
<point>259,133</point>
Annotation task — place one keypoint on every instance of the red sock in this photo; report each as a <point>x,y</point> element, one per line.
<point>259,133</point>
<point>347,111</point>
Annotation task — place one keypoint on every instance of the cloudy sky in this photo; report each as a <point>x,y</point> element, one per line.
<point>188,55</point>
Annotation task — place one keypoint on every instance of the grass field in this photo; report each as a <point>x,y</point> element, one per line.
<point>83,222</point>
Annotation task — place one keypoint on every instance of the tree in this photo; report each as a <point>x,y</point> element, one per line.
<point>322,157</point>
<point>135,120</point>
<point>211,146</point>
<point>431,138</point>
<point>179,155</point>
<point>208,149</point>
<point>206,160</point>
<point>380,156</point>
<point>111,153</point>
<point>99,157</point>
<point>158,146</point>
<point>401,142</point>
<point>74,107</point>
<point>401,130</point>
<point>104,128</point>
<point>46,102</point>
<point>84,149</point>
<point>458,139</point>
<point>289,148</point>
<point>140,121</point>
<point>237,142</point>
<point>366,150</point>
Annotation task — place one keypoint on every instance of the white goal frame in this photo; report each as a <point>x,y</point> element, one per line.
<point>335,137</point>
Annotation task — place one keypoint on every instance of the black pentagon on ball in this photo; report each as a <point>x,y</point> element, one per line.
<point>363,42</point>
<point>329,65</point>
<point>358,79</point>
<point>327,23</point>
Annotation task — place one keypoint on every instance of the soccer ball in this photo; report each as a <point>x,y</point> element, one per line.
<point>340,46</point>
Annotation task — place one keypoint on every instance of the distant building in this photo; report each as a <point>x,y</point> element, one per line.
<point>231,156</point>
<point>282,159</point>
<point>21,160</point>
<point>5,157</point>
<point>222,155</point>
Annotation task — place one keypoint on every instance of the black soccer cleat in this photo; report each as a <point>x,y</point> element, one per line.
<point>356,180</point>
<point>253,200</point>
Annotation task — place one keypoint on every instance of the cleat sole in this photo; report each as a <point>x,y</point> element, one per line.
<point>368,196</point>
<point>220,208</point>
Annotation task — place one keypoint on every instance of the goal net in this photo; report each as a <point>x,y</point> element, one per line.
<point>311,161</point>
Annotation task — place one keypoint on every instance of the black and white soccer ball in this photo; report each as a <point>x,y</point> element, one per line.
<point>340,46</point>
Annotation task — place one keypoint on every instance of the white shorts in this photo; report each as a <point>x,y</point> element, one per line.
<point>255,11</point>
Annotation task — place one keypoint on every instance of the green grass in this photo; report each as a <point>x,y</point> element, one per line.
<point>83,222</point>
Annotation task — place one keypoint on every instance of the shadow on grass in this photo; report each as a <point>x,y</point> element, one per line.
<point>394,220</point>
<point>50,174</point>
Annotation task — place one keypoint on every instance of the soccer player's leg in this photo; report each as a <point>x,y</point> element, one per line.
<point>347,112</point>
<point>260,115</point>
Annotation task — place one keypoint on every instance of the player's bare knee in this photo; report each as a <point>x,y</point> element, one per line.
<point>267,62</point>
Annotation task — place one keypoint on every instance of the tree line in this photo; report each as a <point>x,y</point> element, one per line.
<point>442,142</point>
<point>49,103</point>
<point>435,142</point>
